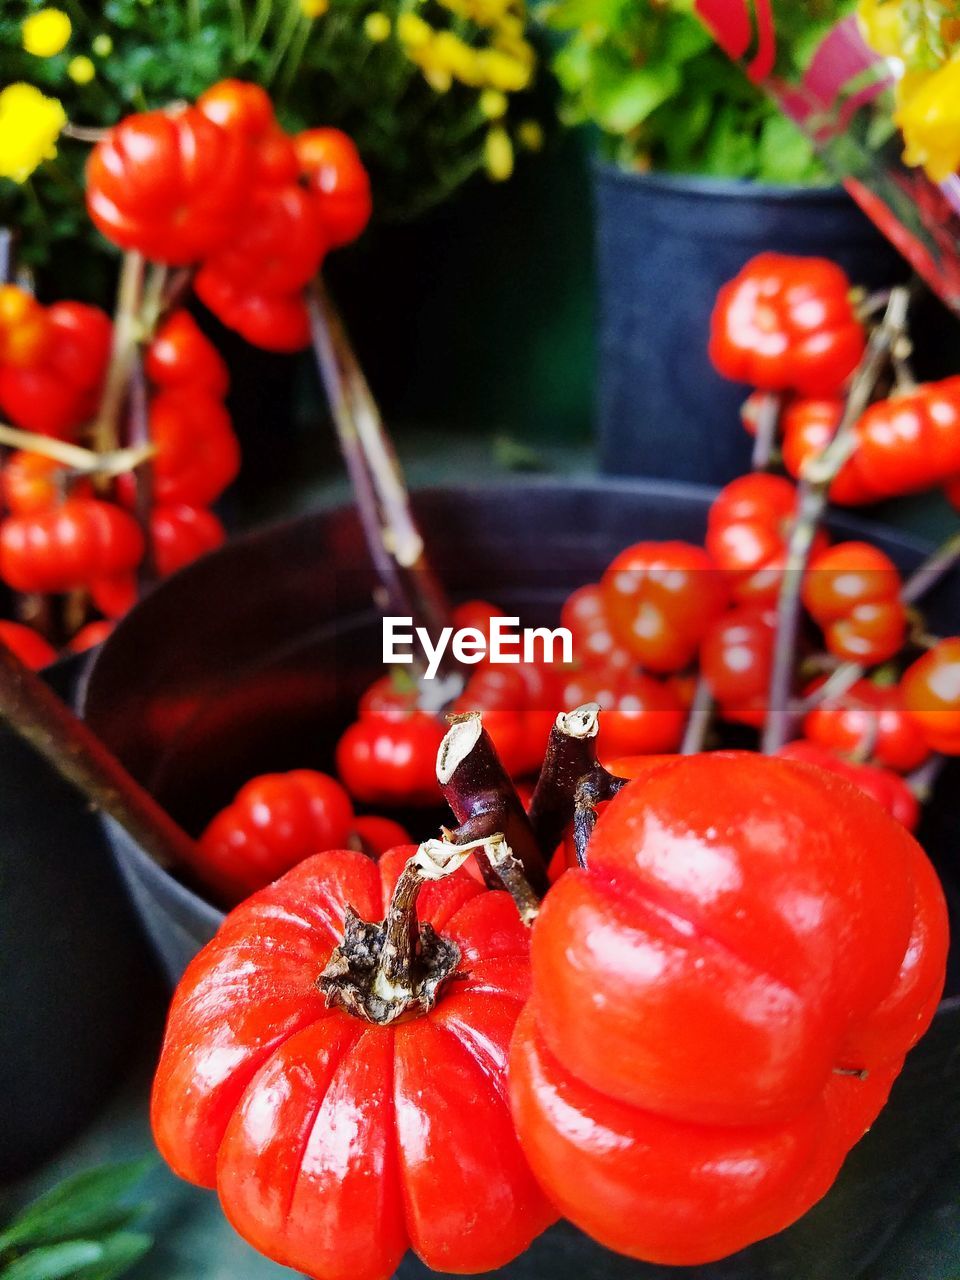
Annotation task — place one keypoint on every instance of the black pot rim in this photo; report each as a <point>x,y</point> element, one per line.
<point>635,487</point>
<point>700,186</point>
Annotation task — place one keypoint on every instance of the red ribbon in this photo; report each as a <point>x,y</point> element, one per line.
<point>731,22</point>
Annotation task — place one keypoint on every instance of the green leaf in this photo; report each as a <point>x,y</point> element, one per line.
<point>625,103</point>
<point>120,1252</point>
<point>55,1261</point>
<point>84,1205</point>
<point>785,155</point>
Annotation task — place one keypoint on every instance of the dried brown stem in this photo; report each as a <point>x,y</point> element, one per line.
<point>767,422</point>
<point>35,713</point>
<point>72,456</point>
<point>812,499</point>
<point>571,754</point>
<point>592,789</point>
<point>395,541</point>
<point>105,434</point>
<point>698,722</point>
<point>485,803</point>
<point>382,971</point>
<point>139,432</point>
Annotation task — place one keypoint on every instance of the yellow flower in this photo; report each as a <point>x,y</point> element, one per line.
<point>498,154</point>
<point>449,53</point>
<point>377,27</point>
<point>530,135</point>
<point>493,104</point>
<point>81,70</point>
<point>881,23</point>
<point>30,125</point>
<point>314,8</point>
<point>501,71</point>
<point>46,33</point>
<point>930,120</point>
<point>103,45</point>
<point>413,31</point>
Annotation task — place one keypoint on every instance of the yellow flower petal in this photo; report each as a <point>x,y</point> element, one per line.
<point>498,154</point>
<point>929,117</point>
<point>493,104</point>
<point>81,70</point>
<point>30,124</point>
<point>46,33</point>
<point>314,8</point>
<point>377,27</point>
<point>103,45</point>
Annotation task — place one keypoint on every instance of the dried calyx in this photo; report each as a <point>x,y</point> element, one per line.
<point>384,971</point>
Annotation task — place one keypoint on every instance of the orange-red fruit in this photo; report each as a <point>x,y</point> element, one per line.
<point>749,937</point>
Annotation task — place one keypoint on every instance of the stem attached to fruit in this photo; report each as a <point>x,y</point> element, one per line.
<point>923,579</point>
<point>34,712</point>
<point>106,431</point>
<point>572,783</point>
<point>812,498</point>
<point>698,722</point>
<point>485,803</point>
<point>767,421</point>
<point>380,972</point>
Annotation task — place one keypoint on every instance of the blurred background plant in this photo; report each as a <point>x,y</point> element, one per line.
<point>664,96</point>
<point>90,1226</point>
<point>432,91</point>
<point>923,36</point>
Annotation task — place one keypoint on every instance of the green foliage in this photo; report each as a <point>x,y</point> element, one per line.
<point>663,95</point>
<point>419,143</point>
<point>83,1229</point>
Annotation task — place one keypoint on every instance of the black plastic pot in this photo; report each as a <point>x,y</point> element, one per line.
<point>252,659</point>
<point>665,245</point>
<point>73,966</point>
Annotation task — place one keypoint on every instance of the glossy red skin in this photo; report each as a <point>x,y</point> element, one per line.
<point>585,616</point>
<point>379,835</point>
<point>519,703</point>
<point>54,396</point>
<point>748,531</point>
<point>182,357</point>
<point>197,453</point>
<point>68,547</point>
<point>641,715</point>
<point>787,324</point>
<point>931,694</point>
<point>911,442</point>
<point>274,823</point>
<point>272,322</point>
<point>90,636</point>
<point>888,789</point>
<point>808,427</point>
<point>180,534</point>
<point>745,926</point>
<point>852,592</point>
<point>661,597</point>
<point>736,659</point>
<point>391,762</point>
<point>330,162</point>
<point>869,718</point>
<point>170,184</point>
<point>28,645</point>
<point>247,109</point>
<point>280,243</point>
<point>388,699</point>
<point>335,1145</point>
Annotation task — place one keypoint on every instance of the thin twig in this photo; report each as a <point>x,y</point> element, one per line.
<point>812,498</point>
<point>139,430</point>
<point>766,421</point>
<point>83,461</point>
<point>34,712</point>
<point>359,417</point>
<point>105,433</point>
<point>571,754</point>
<point>698,723</point>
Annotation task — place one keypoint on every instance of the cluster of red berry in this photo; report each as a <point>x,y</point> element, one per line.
<point>221,186</point>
